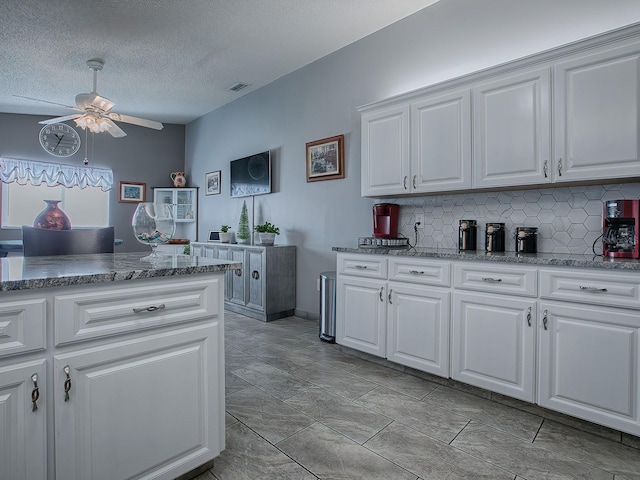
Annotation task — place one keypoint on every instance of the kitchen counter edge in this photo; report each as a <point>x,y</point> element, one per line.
<point>28,273</point>
<point>550,259</point>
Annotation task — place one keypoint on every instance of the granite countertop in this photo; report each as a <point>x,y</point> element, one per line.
<point>24,273</point>
<point>554,259</point>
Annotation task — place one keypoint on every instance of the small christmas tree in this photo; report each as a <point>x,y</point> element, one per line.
<point>243,227</point>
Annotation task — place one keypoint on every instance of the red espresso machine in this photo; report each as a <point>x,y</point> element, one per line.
<point>621,235</point>
<point>385,220</point>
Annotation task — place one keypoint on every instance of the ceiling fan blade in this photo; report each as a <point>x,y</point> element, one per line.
<point>46,101</point>
<point>60,119</point>
<point>88,101</point>
<point>135,121</point>
<point>114,129</point>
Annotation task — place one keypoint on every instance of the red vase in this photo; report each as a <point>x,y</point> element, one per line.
<point>52,217</point>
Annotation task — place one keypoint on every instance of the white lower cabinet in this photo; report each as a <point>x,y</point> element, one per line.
<point>124,398</point>
<point>589,363</point>
<point>23,430</point>
<point>565,338</point>
<point>361,306</point>
<point>405,321</point>
<point>133,373</point>
<point>493,343</point>
<point>418,327</point>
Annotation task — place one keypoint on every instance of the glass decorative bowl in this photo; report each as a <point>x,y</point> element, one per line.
<point>153,224</point>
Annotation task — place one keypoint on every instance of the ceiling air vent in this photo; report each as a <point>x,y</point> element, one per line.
<point>238,86</point>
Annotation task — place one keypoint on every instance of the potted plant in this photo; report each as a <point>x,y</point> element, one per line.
<point>267,233</point>
<point>243,234</point>
<point>225,236</point>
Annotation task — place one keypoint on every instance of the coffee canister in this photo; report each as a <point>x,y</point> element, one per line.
<point>526,240</point>
<point>467,235</point>
<point>494,237</point>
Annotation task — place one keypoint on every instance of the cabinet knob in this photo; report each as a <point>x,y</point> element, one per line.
<point>381,290</point>
<point>545,320</point>
<point>546,169</point>
<point>414,182</point>
<point>404,182</point>
<point>389,296</point>
<point>35,393</point>
<point>255,275</point>
<point>238,272</point>
<point>529,316</point>
<point>560,167</point>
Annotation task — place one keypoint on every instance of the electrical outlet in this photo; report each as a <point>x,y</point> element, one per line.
<point>420,218</point>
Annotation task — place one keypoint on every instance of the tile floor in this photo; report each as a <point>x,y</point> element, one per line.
<point>298,408</point>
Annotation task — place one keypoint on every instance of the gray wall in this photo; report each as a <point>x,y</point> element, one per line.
<point>448,39</point>
<point>144,155</point>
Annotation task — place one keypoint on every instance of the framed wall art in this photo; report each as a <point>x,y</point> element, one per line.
<point>325,159</point>
<point>212,182</point>
<point>132,192</point>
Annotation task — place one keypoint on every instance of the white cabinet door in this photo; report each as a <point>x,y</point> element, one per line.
<point>441,142</point>
<point>512,128</point>
<point>589,359</point>
<point>385,151</point>
<point>418,328</point>
<point>493,343</point>
<point>361,314</point>
<point>151,407</point>
<point>23,445</point>
<point>597,116</point>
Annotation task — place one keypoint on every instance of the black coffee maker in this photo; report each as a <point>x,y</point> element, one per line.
<point>620,222</point>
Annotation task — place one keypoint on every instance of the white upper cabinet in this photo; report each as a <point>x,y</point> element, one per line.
<point>597,108</point>
<point>385,151</point>
<point>441,142</point>
<point>512,126</point>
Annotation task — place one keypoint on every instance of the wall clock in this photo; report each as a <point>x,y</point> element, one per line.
<point>59,139</point>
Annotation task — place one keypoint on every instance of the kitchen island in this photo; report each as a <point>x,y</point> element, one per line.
<point>558,330</point>
<point>111,367</point>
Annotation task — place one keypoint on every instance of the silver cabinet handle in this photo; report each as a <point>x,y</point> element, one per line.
<point>381,290</point>
<point>404,182</point>
<point>546,169</point>
<point>255,275</point>
<point>414,181</point>
<point>238,272</point>
<point>416,272</point>
<point>593,289</point>
<point>152,308</point>
<point>560,167</point>
<point>545,320</point>
<point>361,267</point>
<point>389,297</point>
<point>67,382</point>
<point>529,316</point>
<point>35,393</point>
<point>491,280</point>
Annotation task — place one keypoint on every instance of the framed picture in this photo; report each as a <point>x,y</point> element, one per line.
<point>133,192</point>
<point>212,182</point>
<point>325,159</point>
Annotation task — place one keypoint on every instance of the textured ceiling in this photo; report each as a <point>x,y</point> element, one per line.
<point>171,60</point>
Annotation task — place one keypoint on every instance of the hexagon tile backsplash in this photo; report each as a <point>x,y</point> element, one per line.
<point>569,219</point>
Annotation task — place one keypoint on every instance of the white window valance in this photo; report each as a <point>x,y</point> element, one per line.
<point>52,174</point>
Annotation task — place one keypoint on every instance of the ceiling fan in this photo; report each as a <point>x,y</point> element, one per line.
<point>96,114</point>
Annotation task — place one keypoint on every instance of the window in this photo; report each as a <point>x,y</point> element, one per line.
<point>86,207</point>
<point>83,192</point>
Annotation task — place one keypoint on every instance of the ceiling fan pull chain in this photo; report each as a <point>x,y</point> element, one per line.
<point>86,145</point>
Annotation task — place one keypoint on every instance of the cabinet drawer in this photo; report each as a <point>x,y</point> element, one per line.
<point>368,266</point>
<point>486,277</point>
<point>598,288</point>
<point>90,314</point>
<point>22,325</point>
<point>425,272</point>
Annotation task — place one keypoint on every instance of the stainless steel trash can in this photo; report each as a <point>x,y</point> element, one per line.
<point>328,307</point>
